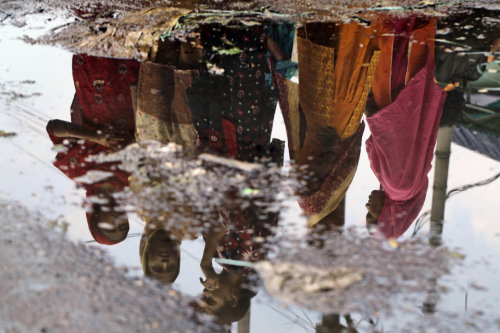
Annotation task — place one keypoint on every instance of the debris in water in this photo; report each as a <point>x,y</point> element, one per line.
<point>393,243</point>
<point>5,134</point>
<point>289,278</point>
<point>455,255</point>
<point>250,191</point>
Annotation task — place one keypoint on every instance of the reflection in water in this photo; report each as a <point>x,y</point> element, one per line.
<point>102,120</point>
<point>215,89</point>
<point>323,112</point>
<point>215,95</point>
<point>233,112</point>
<point>160,253</point>
<point>162,110</point>
<point>331,324</point>
<point>242,236</point>
<point>465,68</point>
<point>236,225</point>
<point>404,120</point>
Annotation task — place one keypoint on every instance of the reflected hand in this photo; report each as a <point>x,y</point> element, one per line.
<point>211,282</point>
<point>114,140</point>
<point>451,86</point>
<point>495,47</point>
<point>216,233</point>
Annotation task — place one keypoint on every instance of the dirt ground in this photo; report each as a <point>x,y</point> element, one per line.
<point>322,8</point>
<point>127,29</point>
<point>49,284</point>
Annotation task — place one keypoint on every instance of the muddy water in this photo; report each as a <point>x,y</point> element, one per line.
<point>239,200</point>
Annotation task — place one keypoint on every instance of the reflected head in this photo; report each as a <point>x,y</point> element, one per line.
<point>374,206</point>
<point>227,304</point>
<point>160,256</point>
<point>107,226</point>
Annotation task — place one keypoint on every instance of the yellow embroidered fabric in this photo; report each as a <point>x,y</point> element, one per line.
<point>334,85</point>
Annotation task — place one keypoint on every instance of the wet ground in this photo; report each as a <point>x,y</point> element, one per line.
<point>159,212</point>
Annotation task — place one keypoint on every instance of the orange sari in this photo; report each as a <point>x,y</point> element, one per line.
<point>336,69</point>
<point>336,74</point>
<point>413,38</point>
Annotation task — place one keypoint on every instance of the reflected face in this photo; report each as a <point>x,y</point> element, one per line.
<point>217,298</point>
<point>109,223</point>
<point>374,206</point>
<point>113,225</point>
<point>163,258</point>
<point>213,299</point>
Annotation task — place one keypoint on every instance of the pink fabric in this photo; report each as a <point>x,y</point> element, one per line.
<point>397,216</point>
<point>401,148</point>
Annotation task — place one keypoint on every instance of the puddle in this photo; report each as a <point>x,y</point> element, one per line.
<point>280,169</point>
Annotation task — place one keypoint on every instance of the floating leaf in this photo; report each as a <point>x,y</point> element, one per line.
<point>393,243</point>
<point>5,134</point>
<point>59,148</point>
<point>455,255</point>
<point>250,191</point>
<point>231,51</point>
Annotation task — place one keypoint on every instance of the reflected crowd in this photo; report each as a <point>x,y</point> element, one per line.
<point>213,89</point>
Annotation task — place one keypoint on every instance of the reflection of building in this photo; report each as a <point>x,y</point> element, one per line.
<point>463,60</point>
<point>483,143</point>
<point>478,130</point>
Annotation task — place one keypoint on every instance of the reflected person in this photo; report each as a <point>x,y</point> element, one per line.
<point>323,111</point>
<point>159,251</point>
<point>214,93</point>
<point>168,219</point>
<point>403,114</point>
<point>102,121</point>
<point>236,121</point>
<point>242,235</point>
<point>461,56</point>
<point>183,101</point>
<point>233,101</point>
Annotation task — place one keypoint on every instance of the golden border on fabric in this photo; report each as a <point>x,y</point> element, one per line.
<point>316,84</point>
<point>334,200</point>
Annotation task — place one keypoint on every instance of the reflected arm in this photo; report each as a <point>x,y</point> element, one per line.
<point>214,236</point>
<point>64,129</point>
